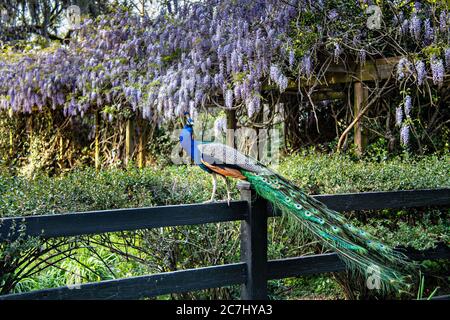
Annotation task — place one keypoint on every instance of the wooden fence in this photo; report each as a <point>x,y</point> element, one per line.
<point>254,270</point>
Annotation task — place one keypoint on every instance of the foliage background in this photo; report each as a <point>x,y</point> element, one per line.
<point>125,66</point>
<point>166,249</point>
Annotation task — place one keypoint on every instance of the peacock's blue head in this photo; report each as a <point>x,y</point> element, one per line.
<point>187,132</point>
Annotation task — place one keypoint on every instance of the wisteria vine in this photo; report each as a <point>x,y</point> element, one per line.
<point>222,53</point>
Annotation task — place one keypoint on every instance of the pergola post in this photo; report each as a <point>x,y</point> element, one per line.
<point>361,94</point>
<point>141,145</point>
<point>231,127</point>
<point>129,146</point>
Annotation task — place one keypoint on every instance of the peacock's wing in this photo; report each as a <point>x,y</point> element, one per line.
<point>222,155</point>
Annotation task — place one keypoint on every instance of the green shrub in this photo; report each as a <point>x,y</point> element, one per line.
<point>168,249</point>
<point>319,173</point>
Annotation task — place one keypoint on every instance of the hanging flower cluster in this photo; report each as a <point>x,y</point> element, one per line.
<point>402,113</point>
<point>165,66</point>
<point>216,52</point>
<point>431,35</point>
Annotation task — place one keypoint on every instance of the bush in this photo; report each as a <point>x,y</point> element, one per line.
<point>319,173</point>
<point>168,249</point>
<point>85,189</point>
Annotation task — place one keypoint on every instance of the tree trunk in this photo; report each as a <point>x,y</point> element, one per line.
<point>97,140</point>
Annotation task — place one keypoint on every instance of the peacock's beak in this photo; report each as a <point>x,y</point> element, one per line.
<point>189,122</point>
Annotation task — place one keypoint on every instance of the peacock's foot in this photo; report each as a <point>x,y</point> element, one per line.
<point>228,200</point>
<point>228,196</point>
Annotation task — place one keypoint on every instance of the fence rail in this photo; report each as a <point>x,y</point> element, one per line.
<point>252,272</point>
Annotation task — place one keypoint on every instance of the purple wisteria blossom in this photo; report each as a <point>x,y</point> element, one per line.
<point>415,27</point>
<point>220,126</point>
<point>443,21</point>
<point>403,68</point>
<point>421,72</point>
<point>337,52</point>
<point>362,56</point>
<point>428,32</point>
<point>405,26</point>
<point>408,106</point>
<point>398,116</point>
<point>253,105</point>
<point>404,134</point>
<point>306,65</point>
<point>274,73</point>
<point>278,77</point>
<point>333,15</point>
<point>229,98</point>
<point>437,70</point>
<point>447,58</point>
<point>417,5</point>
<point>291,58</point>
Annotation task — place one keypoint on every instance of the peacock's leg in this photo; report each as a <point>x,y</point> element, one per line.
<point>227,184</point>
<point>214,181</point>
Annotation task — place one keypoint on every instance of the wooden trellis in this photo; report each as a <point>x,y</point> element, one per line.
<point>359,76</point>
<point>356,74</point>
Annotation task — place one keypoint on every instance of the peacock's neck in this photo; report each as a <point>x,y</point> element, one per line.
<point>191,148</point>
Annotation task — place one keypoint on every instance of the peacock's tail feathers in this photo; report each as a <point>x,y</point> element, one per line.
<point>359,250</point>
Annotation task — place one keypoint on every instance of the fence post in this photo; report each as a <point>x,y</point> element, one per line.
<point>254,244</point>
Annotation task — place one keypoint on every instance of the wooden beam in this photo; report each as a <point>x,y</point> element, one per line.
<point>143,286</point>
<point>379,69</point>
<point>95,222</point>
<point>307,265</point>
<point>207,277</point>
<point>330,262</point>
<point>91,222</point>
<point>330,95</point>
<point>377,200</point>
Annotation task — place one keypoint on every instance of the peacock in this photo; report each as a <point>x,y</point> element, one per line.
<point>358,249</point>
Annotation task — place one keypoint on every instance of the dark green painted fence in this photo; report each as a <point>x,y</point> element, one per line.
<point>252,273</point>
